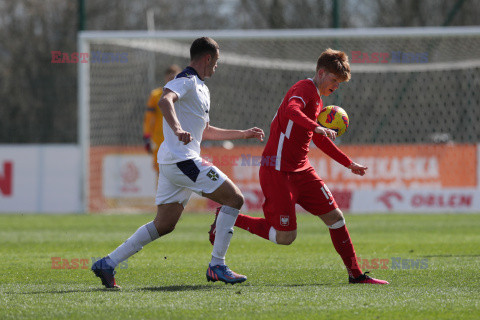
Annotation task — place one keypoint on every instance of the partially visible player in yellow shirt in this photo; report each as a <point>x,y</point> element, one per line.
<point>153,120</point>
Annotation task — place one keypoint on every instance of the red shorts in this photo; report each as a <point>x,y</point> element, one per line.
<point>282,190</point>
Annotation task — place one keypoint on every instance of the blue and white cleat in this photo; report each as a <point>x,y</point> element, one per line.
<point>223,273</point>
<point>105,273</point>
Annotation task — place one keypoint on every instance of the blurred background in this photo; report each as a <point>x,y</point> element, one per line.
<point>39,100</point>
<point>414,105</point>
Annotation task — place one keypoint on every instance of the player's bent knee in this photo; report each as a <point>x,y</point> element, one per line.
<point>235,201</point>
<point>163,230</point>
<point>237,197</point>
<point>332,217</point>
<point>286,238</point>
<point>227,194</point>
<point>162,227</point>
<point>239,201</point>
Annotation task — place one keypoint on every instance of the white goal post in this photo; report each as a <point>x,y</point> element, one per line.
<point>425,91</point>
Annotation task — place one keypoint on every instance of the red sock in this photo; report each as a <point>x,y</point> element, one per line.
<point>258,226</point>
<point>343,244</point>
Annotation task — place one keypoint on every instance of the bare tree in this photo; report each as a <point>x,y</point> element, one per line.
<point>38,98</point>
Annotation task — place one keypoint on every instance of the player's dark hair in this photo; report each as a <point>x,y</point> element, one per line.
<point>202,46</point>
<point>336,62</point>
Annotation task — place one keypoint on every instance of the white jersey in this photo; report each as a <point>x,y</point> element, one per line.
<point>192,108</point>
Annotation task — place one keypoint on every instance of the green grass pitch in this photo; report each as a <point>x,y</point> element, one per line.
<point>306,280</point>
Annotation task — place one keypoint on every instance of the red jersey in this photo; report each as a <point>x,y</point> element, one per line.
<point>292,130</point>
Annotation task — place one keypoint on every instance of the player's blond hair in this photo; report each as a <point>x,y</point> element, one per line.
<point>336,62</point>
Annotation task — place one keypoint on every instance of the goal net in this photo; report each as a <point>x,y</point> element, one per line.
<point>413,103</point>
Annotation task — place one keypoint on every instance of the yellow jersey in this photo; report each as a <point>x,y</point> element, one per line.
<point>153,120</point>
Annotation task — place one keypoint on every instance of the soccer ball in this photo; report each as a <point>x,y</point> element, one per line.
<point>335,118</point>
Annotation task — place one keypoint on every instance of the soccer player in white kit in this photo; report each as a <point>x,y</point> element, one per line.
<point>185,105</point>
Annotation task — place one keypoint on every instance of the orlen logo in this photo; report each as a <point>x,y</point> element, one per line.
<point>435,200</point>
<point>6,180</point>
<point>387,198</point>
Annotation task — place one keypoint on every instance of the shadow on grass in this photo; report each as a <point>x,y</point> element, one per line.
<point>66,291</point>
<point>301,285</point>
<point>174,288</point>
<point>222,286</point>
<point>181,288</point>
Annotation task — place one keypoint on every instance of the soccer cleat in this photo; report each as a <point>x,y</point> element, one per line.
<point>366,279</point>
<point>223,273</point>
<point>213,227</point>
<point>105,273</point>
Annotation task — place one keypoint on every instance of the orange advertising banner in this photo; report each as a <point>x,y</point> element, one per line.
<point>389,166</point>
<point>124,177</point>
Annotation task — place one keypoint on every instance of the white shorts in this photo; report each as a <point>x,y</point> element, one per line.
<point>177,181</point>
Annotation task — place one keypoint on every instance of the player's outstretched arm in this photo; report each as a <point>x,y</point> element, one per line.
<point>358,168</point>
<point>330,149</point>
<point>294,112</point>
<point>326,132</point>
<point>166,105</point>
<point>254,133</point>
<point>214,133</point>
<point>327,146</point>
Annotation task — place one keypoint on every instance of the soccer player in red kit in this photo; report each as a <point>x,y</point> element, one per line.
<point>286,176</point>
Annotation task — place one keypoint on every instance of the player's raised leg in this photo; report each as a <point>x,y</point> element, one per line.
<point>255,225</point>
<point>279,225</point>
<point>231,199</point>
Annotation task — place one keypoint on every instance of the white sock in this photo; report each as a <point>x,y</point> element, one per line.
<point>272,235</point>
<point>217,261</point>
<point>144,235</point>
<point>223,234</point>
